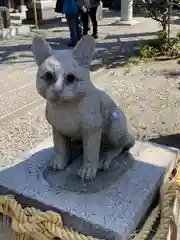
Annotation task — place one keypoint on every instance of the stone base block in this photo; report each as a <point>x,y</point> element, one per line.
<point>23,29</point>
<point>23,9</point>
<point>42,14</point>
<point>13,31</point>
<point>45,10</point>
<point>126,23</point>
<point>109,207</point>
<point>18,16</point>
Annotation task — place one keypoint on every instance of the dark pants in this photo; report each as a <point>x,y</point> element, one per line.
<point>85,18</point>
<point>74,27</point>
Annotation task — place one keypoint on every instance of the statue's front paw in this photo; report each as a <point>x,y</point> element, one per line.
<point>87,173</point>
<point>57,163</point>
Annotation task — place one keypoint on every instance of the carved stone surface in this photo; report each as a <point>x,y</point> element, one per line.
<point>78,111</point>
<point>69,181</point>
<point>5,17</point>
<point>45,10</point>
<point>1,23</point>
<point>12,31</point>
<point>111,209</point>
<point>126,10</point>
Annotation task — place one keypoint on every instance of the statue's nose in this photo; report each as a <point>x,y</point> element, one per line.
<point>58,87</point>
<point>57,91</point>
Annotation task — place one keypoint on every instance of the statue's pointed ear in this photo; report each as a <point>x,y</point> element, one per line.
<point>41,49</point>
<point>83,51</point>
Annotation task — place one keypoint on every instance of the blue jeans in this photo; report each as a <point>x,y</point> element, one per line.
<point>75,28</point>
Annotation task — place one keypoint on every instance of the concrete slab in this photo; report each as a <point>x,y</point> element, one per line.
<point>23,29</point>
<point>126,23</point>
<point>12,31</point>
<point>8,32</point>
<point>110,207</point>
<point>18,16</point>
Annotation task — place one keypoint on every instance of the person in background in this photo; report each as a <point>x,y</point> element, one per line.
<point>71,10</point>
<point>89,9</point>
<point>81,18</point>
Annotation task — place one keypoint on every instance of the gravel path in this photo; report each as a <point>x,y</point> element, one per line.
<point>150,96</point>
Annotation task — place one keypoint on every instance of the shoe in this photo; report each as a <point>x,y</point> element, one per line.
<point>95,36</point>
<point>71,44</point>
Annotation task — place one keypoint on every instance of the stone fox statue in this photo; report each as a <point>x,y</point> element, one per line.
<point>77,110</point>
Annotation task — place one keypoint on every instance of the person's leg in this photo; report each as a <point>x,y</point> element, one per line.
<point>94,21</point>
<point>89,24</point>
<point>85,16</point>
<point>78,27</point>
<point>71,21</point>
<point>81,17</point>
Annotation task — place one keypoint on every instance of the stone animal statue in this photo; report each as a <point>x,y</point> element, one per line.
<point>77,110</point>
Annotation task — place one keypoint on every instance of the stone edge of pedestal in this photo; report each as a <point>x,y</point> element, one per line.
<point>43,4</point>
<point>29,202</point>
<point>126,23</point>
<point>13,31</point>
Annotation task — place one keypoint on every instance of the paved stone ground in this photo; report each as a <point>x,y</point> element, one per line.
<point>148,93</point>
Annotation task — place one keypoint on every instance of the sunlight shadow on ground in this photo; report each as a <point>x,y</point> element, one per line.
<point>172,140</point>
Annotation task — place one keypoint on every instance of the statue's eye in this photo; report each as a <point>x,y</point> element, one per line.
<point>71,78</point>
<point>49,78</point>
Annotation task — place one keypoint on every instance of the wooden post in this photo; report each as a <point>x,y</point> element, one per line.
<point>35,15</point>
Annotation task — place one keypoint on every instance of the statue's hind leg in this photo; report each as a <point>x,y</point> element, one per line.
<point>120,140</point>
<point>129,142</point>
<point>109,156</point>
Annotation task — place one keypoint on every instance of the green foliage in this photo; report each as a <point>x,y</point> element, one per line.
<point>157,10</point>
<point>147,52</point>
<point>161,46</point>
<point>178,35</point>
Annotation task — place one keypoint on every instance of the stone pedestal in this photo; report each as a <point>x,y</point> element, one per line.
<point>20,15</point>
<point>126,7</point>
<point>109,207</point>
<point>12,31</point>
<point>126,10</point>
<point>45,10</point>
<point>22,9</point>
<point>127,13</point>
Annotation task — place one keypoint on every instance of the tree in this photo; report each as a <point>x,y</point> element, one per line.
<point>160,11</point>
<point>164,45</point>
<point>156,9</point>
